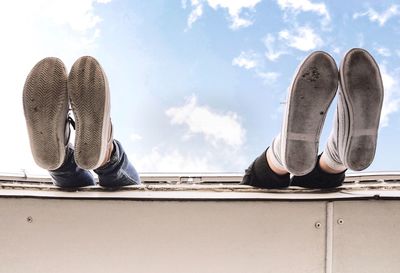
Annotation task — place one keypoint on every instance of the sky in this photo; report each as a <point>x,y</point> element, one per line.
<point>196,85</point>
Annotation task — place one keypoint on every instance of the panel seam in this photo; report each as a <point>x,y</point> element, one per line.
<point>329,238</point>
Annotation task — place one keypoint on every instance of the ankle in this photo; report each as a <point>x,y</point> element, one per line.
<point>109,153</point>
<point>324,165</point>
<point>274,168</point>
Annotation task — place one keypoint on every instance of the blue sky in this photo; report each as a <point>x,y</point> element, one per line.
<point>196,85</point>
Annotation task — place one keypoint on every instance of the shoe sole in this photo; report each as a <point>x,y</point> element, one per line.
<point>311,94</point>
<point>45,102</point>
<point>89,95</point>
<point>362,90</point>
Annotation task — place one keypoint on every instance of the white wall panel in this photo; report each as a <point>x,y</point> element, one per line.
<point>366,236</point>
<point>67,235</point>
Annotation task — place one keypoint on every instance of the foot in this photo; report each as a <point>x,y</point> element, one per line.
<point>45,102</point>
<point>270,163</point>
<point>310,96</point>
<point>359,109</point>
<point>90,100</point>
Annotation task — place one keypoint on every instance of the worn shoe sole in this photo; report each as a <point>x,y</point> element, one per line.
<point>45,102</point>
<point>90,101</point>
<point>362,98</point>
<point>311,94</point>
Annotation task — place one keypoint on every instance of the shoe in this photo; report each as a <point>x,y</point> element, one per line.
<point>90,101</point>
<point>45,102</point>
<point>352,143</point>
<point>310,96</point>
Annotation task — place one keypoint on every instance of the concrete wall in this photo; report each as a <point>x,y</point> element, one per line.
<point>69,235</point>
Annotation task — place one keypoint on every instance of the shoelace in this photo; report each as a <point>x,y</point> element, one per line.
<point>71,121</point>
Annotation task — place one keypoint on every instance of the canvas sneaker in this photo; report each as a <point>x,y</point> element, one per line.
<point>90,101</point>
<point>352,142</point>
<point>310,95</point>
<point>45,103</point>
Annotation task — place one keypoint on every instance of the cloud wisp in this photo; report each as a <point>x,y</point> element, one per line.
<point>234,8</point>
<point>268,77</point>
<point>296,6</point>
<point>246,60</point>
<point>252,61</point>
<point>302,38</point>
<point>380,18</point>
<point>383,51</point>
<point>159,159</point>
<point>271,53</point>
<point>391,101</point>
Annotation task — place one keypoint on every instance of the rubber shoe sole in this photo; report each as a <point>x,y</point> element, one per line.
<point>90,102</point>
<point>311,94</point>
<point>362,99</point>
<point>45,102</point>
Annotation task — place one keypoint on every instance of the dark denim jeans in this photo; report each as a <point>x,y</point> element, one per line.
<point>116,173</point>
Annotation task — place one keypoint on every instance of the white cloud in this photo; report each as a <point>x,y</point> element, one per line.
<point>304,6</point>
<point>217,128</point>
<point>272,54</point>
<point>135,137</point>
<point>247,60</point>
<point>381,18</point>
<point>173,160</point>
<point>337,50</point>
<point>391,102</point>
<point>268,77</point>
<point>234,10</point>
<point>196,13</point>
<point>76,13</point>
<point>302,38</point>
<point>164,158</point>
<point>385,52</point>
<point>32,30</point>
<point>250,60</point>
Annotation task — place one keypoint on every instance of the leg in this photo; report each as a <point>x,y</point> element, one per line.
<point>312,92</point>
<point>45,101</point>
<point>352,142</point>
<point>295,149</point>
<point>94,144</point>
<point>118,171</point>
<point>69,175</point>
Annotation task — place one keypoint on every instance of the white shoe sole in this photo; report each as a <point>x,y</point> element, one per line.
<point>45,102</point>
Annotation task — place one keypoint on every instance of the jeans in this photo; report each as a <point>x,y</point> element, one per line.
<point>115,173</point>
